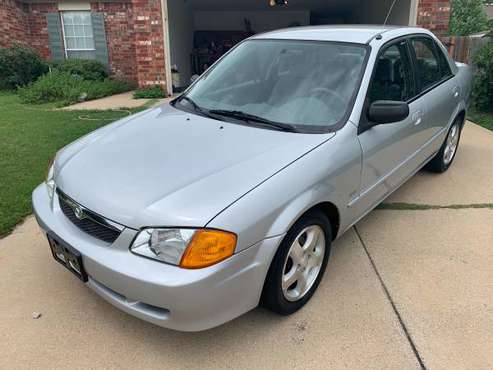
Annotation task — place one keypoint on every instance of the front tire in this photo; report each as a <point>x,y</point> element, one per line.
<point>445,156</point>
<point>299,264</point>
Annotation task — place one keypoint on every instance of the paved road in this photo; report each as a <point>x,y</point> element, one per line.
<point>403,289</point>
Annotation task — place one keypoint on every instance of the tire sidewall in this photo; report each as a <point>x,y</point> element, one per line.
<point>442,150</point>
<point>274,277</point>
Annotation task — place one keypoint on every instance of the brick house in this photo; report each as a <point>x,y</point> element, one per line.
<point>143,41</point>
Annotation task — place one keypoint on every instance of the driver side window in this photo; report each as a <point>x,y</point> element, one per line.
<point>393,77</point>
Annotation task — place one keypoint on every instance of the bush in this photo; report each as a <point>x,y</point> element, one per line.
<point>154,92</point>
<point>483,80</point>
<point>467,17</point>
<point>19,66</point>
<point>67,88</point>
<point>91,70</point>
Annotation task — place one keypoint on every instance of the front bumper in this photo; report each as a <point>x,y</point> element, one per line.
<point>166,295</point>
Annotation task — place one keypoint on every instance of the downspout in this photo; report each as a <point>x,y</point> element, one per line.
<point>166,42</point>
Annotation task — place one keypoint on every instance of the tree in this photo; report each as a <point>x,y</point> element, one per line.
<point>468,17</point>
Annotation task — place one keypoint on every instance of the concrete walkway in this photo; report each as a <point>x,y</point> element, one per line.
<point>124,100</point>
<point>403,290</point>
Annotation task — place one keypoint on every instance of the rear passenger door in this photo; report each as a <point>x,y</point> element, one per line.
<point>437,89</point>
<point>390,151</point>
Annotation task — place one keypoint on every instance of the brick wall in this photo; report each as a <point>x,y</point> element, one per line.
<point>38,28</point>
<point>149,42</point>
<point>13,23</point>
<point>434,15</point>
<point>119,25</point>
<point>134,32</point>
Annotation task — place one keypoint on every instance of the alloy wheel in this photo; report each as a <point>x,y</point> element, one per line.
<point>303,263</point>
<point>451,144</point>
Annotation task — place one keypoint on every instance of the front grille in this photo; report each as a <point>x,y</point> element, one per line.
<point>88,221</point>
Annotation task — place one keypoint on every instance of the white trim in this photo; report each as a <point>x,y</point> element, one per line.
<point>166,42</point>
<point>81,49</point>
<point>413,13</point>
<point>64,6</point>
<point>63,35</point>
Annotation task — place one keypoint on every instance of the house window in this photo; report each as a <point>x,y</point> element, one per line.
<point>78,35</point>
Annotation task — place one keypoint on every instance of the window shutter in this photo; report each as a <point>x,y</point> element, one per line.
<point>55,36</point>
<point>100,38</point>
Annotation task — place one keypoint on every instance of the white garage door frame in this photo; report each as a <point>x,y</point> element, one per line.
<point>167,55</point>
<point>413,16</point>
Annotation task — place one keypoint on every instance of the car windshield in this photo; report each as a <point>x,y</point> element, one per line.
<point>296,83</point>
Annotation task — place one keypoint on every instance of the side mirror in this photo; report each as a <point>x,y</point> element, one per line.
<point>388,111</point>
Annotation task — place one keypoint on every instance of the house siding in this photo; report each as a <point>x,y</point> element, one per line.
<point>434,15</point>
<point>118,19</point>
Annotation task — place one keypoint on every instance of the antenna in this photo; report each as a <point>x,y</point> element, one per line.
<point>390,11</point>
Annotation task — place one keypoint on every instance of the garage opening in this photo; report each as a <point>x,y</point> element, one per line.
<point>201,31</point>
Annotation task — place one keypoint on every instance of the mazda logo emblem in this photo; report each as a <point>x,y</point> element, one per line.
<point>79,213</point>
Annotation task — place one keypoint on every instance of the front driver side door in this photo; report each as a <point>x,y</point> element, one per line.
<point>390,150</point>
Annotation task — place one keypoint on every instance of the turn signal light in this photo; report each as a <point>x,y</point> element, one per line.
<point>207,248</point>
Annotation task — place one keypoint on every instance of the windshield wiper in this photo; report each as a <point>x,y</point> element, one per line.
<point>197,108</point>
<point>247,117</point>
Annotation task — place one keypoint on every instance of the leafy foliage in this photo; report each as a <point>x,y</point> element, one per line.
<point>91,70</point>
<point>19,66</point>
<point>154,92</point>
<point>468,17</point>
<point>483,80</point>
<point>66,88</point>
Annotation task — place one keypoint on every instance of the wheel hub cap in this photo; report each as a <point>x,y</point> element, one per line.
<point>451,144</point>
<point>303,263</point>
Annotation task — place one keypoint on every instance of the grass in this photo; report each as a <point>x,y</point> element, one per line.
<point>481,118</point>
<point>29,138</point>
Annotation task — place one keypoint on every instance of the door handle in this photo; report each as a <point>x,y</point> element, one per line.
<point>417,118</point>
<point>456,91</point>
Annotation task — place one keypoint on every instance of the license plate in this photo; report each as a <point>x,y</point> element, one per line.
<point>69,257</point>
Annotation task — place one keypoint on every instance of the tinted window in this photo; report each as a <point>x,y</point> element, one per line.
<point>393,77</point>
<point>302,83</point>
<point>443,61</point>
<point>428,65</point>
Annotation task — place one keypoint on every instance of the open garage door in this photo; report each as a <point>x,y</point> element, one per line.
<point>201,31</point>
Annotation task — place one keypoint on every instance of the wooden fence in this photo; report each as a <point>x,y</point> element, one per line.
<point>463,48</point>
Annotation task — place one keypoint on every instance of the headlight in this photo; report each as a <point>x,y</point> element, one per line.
<point>187,248</point>
<point>50,180</point>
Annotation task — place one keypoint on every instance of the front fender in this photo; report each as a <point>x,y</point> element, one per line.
<point>329,173</point>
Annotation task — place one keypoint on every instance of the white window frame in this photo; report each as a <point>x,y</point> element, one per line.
<point>66,50</point>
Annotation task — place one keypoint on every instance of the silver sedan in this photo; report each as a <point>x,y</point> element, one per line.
<point>192,213</point>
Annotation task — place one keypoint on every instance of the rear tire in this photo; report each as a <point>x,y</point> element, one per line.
<point>445,156</point>
<point>299,264</point>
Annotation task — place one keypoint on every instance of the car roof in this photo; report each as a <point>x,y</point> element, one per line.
<point>360,34</point>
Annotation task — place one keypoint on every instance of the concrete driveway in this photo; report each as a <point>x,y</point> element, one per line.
<point>404,289</point>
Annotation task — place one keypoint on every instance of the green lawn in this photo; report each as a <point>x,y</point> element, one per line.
<point>29,138</point>
<point>480,118</point>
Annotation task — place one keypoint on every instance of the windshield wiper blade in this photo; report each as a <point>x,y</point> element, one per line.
<point>252,118</point>
<point>195,106</point>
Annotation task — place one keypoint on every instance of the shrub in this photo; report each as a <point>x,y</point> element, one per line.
<point>19,66</point>
<point>467,17</point>
<point>483,80</point>
<point>154,92</point>
<point>67,88</point>
<point>91,70</point>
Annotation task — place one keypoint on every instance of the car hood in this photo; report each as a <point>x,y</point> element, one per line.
<point>165,167</point>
